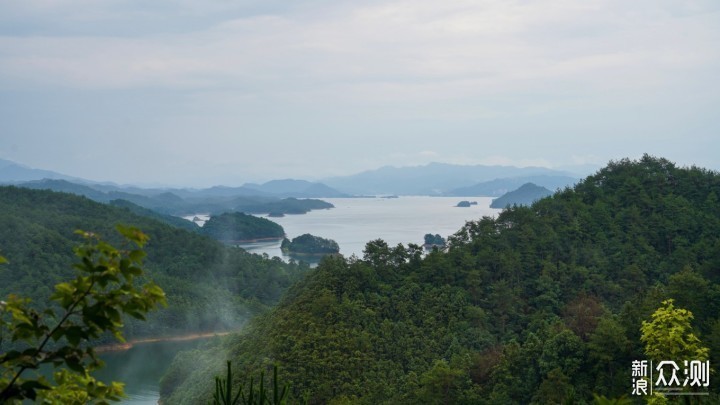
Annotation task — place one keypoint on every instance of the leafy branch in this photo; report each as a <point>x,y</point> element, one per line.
<point>93,303</point>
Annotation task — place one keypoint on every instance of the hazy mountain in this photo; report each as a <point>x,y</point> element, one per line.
<point>527,194</point>
<point>430,179</point>
<point>499,187</point>
<point>271,189</point>
<point>295,188</point>
<point>168,202</point>
<point>67,187</point>
<point>222,191</point>
<point>11,172</point>
<point>177,222</point>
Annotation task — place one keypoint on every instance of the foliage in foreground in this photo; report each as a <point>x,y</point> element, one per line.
<point>254,395</point>
<point>105,288</point>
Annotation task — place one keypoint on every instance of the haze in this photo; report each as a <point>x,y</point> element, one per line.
<point>197,93</point>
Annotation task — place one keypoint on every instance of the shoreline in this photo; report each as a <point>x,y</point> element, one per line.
<point>310,255</point>
<point>245,241</point>
<point>121,347</point>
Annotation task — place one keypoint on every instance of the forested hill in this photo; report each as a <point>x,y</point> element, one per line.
<point>209,286</point>
<point>541,305</point>
<point>527,194</point>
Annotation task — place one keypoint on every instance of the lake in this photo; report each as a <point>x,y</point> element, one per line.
<point>355,221</point>
<point>352,223</point>
<point>141,368</point>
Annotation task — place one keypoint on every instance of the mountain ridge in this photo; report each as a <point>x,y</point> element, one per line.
<point>430,179</point>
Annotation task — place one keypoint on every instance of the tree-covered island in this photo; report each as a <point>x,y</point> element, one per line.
<point>466,204</point>
<point>236,227</point>
<point>433,241</point>
<point>307,244</point>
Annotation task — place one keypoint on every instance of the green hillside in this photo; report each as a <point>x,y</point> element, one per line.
<point>542,304</point>
<point>209,286</point>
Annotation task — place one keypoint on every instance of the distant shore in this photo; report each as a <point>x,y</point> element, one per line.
<point>118,347</point>
<point>256,240</point>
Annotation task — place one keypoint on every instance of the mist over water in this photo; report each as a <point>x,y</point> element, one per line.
<point>141,368</point>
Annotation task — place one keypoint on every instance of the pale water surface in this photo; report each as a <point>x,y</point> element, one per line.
<point>355,221</point>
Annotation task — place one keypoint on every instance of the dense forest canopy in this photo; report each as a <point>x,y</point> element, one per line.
<point>543,304</point>
<point>209,286</point>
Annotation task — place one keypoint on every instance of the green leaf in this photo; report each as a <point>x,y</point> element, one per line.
<point>137,255</point>
<point>133,234</point>
<point>74,335</point>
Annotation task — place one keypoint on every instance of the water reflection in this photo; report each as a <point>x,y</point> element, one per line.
<point>273,248</point>
<point>141,368</point>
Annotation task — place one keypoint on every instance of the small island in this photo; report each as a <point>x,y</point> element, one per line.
<point>465,204</point>
<point>236,227</point>
<point>310,245</point>
<point>433,241</point>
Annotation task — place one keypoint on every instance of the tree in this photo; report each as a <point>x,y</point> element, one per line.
<point>92,304</point>
<point>608,349</point>
<point>225,394</point>
<point>442,384</point>
<point>670,336</point>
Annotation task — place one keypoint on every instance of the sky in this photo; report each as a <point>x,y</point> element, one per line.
<point>206,92</point>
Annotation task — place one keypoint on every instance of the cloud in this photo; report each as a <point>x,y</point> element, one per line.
<point>398,51</point>
<point>371,83</point>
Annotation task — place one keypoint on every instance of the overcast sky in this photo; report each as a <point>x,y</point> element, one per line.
<point>203,92</point>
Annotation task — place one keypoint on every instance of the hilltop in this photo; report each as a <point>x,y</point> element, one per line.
<point>527,194</point>
<point>542,304</point>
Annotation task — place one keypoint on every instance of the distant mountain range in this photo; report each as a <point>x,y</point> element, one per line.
<point>277,197</point>
<point>448,179</point>
<point>296,188</point>
<point>435,179</point>
<point>499,187</point>
<point>14,173</point>
<point>169,202</point>
<point>11,172</point>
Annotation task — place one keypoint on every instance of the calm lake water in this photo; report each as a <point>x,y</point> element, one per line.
<point>141,368</point>
<point>355,221</point>
<point>352,223</point>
